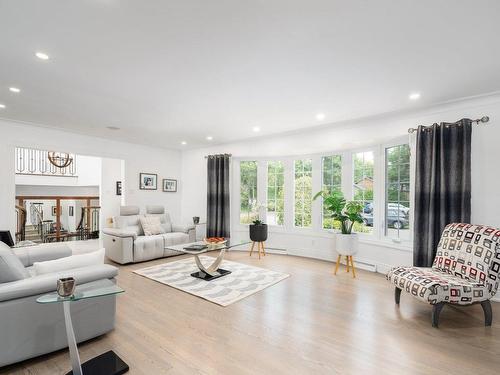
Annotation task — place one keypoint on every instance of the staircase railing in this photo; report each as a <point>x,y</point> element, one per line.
<point>89,222</point>
<point>20,223</point>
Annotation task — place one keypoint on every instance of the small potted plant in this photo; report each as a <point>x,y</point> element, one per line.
<point>258,231</point>
<point>346,213</point>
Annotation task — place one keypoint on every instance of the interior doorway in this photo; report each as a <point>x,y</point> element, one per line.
<point>64,197</point>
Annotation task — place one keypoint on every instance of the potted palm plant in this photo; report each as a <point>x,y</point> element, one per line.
<point>346,213</point>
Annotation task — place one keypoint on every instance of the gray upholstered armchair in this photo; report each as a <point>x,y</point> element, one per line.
<point>127,243</point>
<point>465,271</point>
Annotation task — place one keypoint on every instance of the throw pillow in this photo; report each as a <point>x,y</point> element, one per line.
<point>11,267</point>
<point>151,225</point>
<point>68,263</point>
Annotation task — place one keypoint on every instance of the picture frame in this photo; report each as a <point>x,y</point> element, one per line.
<point>118,188</point>
<point>148,181</point>
<point>54,210</point>
<point>169,185</point>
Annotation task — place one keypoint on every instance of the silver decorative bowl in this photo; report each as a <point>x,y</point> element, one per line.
<point>66,287</point>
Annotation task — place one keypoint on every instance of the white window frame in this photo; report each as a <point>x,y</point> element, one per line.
<point>397,142</point>
<point>266,163</point>
<point>322,184</point>
<point>312,192</point>
<point>375,233</point>
<point>377,236</point>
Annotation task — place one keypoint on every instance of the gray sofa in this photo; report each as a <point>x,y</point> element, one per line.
<point>126,242</point>
<point>29,329</point>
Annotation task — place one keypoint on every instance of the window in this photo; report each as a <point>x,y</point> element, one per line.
<point>303,192</point>
<point>397,192</point>
<point>332,181</point>
<point>363,188</point>
<point>275,193</point>
<point>248,192</point>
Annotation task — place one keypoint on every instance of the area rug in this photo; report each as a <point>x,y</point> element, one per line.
<point>243,281</point>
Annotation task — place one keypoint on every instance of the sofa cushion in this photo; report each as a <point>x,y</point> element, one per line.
<point>470,251</point>
<point>151,225</point>
<point>68,263</point>
<point>166,224</point>
<point>175,238</point>
<point>435,286</point>
<point>148,247</point>
<point>11,267</point>
<point>129,224</point>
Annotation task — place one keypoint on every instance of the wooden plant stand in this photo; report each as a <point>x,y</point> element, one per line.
<point>260,247</point>
<point>348,259</point>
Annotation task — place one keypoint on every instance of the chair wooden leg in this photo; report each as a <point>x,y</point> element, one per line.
<point>436,310</point>
<point>397,295</point>
<point>347,263</point>
<point>352,265</point>
<point>337,264</point>
<point>251,250</point>
<point>488,314</point>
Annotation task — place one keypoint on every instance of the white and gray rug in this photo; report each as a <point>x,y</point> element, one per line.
<point>243,281</point>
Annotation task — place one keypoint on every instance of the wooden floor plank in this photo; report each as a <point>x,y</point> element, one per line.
<point>311,323</point>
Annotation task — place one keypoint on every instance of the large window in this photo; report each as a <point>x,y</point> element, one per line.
<point>363,188</point>
<point>275,193</point>
<point>303,192</point>
<point>332,181</point>
<point>248,192</point>
<point>397,192</point>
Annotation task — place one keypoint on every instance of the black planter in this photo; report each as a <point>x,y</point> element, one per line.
<point>258,233</point>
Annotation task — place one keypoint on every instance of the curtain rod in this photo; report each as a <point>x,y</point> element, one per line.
<point>209,156</point>
<point>483,119</point>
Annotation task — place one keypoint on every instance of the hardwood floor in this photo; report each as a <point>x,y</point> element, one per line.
<point>310,323</point>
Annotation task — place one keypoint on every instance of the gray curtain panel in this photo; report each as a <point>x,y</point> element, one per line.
<point>442,184</point>
<point>218,196</point>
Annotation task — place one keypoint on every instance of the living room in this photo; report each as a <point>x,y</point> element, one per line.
<point>284,187</point>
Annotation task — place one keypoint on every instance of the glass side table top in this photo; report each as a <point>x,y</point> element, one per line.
<point>93,289</point>
<point>181,248</point>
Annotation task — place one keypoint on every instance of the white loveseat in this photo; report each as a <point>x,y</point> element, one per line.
<point>126,242</point>
<point>29,329</point>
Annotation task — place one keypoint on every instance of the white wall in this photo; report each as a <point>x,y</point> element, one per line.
<point>138,158</point>
<point>110,202</point>
<point>353,135</point>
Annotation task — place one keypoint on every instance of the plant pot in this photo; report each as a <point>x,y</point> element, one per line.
<point>346,244</point>
<point>258,233</point>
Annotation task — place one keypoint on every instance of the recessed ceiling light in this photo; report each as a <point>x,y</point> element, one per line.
<point>14,89</point>
<point>113,127</point>
<point>320,116</point>
<point>209,138</point>
<point>2,106</point>
<point>414,96</point>
<point>42,56</point>
<point>256,129</point>
<point>183,143</point>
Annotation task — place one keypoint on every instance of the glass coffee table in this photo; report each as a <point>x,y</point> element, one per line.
<point>213,271</point>
<point>107,363</point>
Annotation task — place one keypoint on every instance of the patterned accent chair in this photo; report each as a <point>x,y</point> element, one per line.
<point>465,271</point>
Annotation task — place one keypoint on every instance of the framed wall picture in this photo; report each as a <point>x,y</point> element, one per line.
<point>169,185</point>
<point>148,181</point>
<point>71,211</point>
<point>54,210</point>
<point>118,188</point>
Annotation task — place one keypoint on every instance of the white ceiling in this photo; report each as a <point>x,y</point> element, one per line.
<point>165,71</point>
